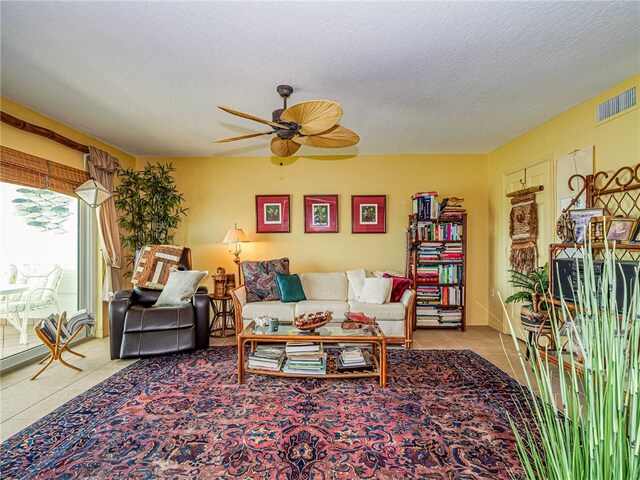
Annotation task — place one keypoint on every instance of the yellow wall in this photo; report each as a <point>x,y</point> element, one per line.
<point>617,143</point>
<point>221,191</point>
<point>43,147</point>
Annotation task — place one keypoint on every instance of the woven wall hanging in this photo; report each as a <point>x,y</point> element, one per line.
<point>523,230</point>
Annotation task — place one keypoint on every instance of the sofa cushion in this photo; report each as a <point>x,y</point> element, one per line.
<point>273,308</point>
<point>290,288</point>
<point>356,282</point>
<point>376,290</point>
<point>154,265</point>
<point>400,285</point>
<point>140,319</point>
<point>338,307</point>
<point>260,278</point>
<point>386,311</point>
<point>180,288</point>
<point>324,286</point>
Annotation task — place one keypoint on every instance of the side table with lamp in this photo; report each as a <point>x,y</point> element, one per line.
<point>223,319</point>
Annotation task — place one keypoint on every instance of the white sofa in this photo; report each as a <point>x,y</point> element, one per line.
<point>331,291</point>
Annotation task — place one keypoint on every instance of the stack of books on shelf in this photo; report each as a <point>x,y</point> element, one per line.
<point>266,358</point>
<point>427,316</point>
<point>451,317</point>
<point>305,358</point>
<point>452,210</point>
<point>354,358</point>
<point>425,205</point>
<point>428,295</point>
<point>452,251</point>
<point>430,251</point>
<point>428,273</point>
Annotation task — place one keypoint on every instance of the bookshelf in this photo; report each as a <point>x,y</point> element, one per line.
<point>438,263</point>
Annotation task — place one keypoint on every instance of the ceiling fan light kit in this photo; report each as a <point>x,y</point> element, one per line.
<point>313,123</point>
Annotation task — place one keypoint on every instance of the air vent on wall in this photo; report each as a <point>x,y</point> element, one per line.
<point>617,104</point>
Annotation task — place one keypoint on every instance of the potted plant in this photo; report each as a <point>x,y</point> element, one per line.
<point>531,290</point>
<point>149,204</point>
<point>585,422</point>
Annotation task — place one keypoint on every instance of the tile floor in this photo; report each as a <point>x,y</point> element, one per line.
<point>23,401</point>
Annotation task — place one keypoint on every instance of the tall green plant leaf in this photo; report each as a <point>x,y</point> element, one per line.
<point>587,422</point>
<point>149,204</point>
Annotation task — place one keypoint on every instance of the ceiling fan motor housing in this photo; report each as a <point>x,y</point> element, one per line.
<point>285,133</point>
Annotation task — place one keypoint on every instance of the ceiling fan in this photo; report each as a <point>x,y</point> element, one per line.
<point>313,123</point>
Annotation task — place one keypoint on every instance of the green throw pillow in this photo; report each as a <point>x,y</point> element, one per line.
<point>290,288</point>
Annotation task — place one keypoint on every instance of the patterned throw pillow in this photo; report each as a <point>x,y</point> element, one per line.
<point>154,265</point>
<point>260,278</point>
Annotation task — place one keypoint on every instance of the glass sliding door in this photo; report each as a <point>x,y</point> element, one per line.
<point>41,262</point>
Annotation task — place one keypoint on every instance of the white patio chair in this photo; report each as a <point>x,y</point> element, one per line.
<point>42,281</point>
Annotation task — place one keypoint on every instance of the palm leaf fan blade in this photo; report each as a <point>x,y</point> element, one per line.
<point>283,148</point>
<point>314,116</point>
<point>251,117</point>
<point>336,137</point>
<point>242,137</point>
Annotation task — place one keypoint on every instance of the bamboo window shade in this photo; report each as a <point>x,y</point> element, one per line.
<point>31,171</point>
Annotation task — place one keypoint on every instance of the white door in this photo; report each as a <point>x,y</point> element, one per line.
<point>538,174</point>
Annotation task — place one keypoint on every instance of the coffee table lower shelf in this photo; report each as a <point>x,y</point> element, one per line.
<point>332,371</point>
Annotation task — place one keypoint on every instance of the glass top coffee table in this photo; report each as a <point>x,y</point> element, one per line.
<point>331,333</point>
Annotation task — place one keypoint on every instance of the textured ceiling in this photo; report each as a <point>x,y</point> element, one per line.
<point>412,77</point>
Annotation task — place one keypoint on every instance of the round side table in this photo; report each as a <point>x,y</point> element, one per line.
<point>223,320</point>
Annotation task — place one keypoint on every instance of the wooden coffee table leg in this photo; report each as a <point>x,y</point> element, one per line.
<point>240,361</point>
<point>383,364</point>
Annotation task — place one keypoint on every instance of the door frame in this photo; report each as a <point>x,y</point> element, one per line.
<point>504,240</point>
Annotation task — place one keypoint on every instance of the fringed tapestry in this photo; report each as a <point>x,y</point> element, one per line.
<point>523,230</point>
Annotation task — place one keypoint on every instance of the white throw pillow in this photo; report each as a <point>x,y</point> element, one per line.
<point>180,288</point>
<point>376,290</point>
<point>356,282</point>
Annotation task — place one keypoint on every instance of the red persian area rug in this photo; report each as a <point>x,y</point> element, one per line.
<point>444,415</point>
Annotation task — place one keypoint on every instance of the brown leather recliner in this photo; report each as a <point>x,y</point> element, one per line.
<point>138,331</point>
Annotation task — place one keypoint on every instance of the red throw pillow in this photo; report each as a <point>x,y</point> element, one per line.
<point>400,285</point>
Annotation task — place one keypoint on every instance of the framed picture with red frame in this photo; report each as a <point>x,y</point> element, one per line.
<point>321,214</point>
<point>368,214</point>
<point>272,214</point>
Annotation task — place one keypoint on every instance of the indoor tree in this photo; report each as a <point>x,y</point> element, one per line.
<point>149,206</point>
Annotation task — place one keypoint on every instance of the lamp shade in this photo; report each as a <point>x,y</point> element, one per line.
<point>235,235</point>
<point>93,192</point>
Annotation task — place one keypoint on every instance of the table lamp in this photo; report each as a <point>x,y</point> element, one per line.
<point>236,236</point>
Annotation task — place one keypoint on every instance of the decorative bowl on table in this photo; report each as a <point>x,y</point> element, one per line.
<point>308,322</point>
